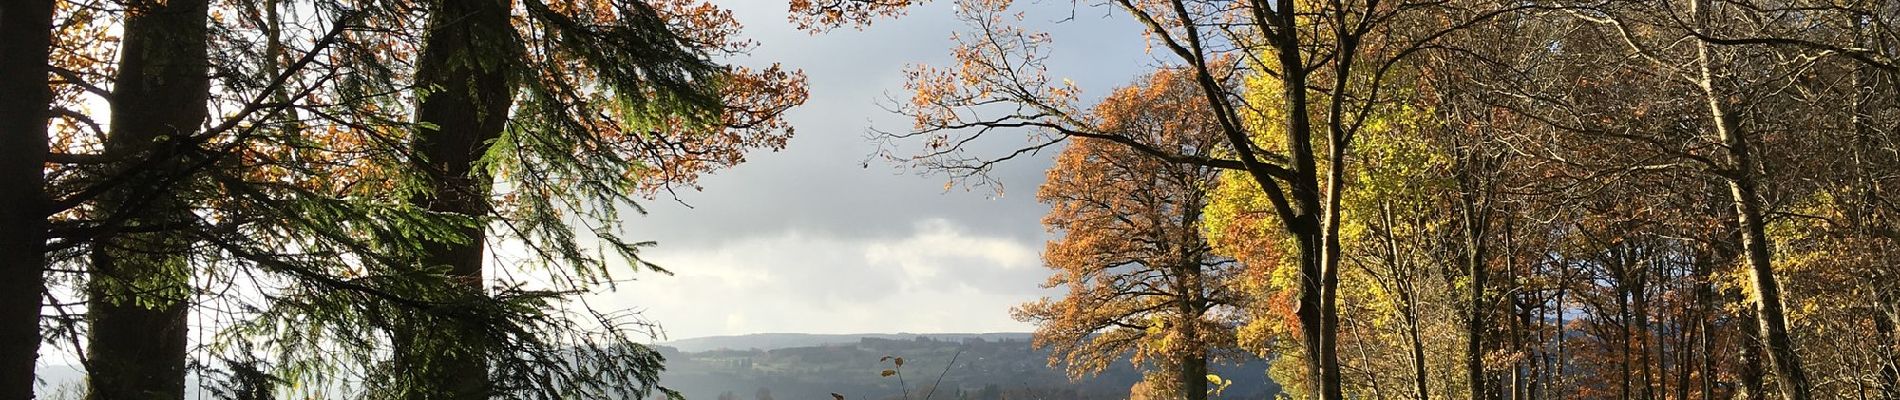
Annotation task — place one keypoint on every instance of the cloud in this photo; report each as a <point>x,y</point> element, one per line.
<point>939,277</point>
<point>940,252</point>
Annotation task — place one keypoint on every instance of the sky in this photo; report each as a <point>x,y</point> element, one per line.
<point>811,239</point>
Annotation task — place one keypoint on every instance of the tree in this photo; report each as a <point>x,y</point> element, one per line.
<point>23,116</point>
<point>139,286</point>
<point>1140,277</point>
<point>671,114</point>
<point>1740,163</point>
<point>468,90</point>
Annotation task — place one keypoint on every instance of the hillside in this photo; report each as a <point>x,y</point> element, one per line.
<point>774,341</point>
<point>1006,367</point>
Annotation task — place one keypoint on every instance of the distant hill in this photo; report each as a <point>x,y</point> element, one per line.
<point>988,367</point>
<point>775,341</point>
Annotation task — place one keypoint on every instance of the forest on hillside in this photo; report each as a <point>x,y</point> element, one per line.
<point>971,368</point>
<point>1388,199</point>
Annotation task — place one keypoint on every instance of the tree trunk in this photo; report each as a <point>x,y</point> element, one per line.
<point>1309,313</point>
<point>1420,381</point>
<point>1887,325</point>
<point>27,27</point>
<point>1742,190</point>
<point>1623,333</point>
<point>1520,315</point>
<point>1329,284</point>
<point>1640,333</point>
<point>1768,310</point>
<point>1705,317</point>
<point>1521,385</point>
<point>1475,224</point>
<point>1194,376</point>
<point>1190,303</point>
<point>1682,350</point>
<point>463,71</point>
<point>1305,225</point>
<point>1559,385</point>
<point>140,282</point>
<point>1751,387</point>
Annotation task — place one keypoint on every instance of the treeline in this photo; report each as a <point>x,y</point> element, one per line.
<point>328,199</point>
<point>1629,199</point>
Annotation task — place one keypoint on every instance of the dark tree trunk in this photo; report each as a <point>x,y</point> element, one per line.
<point>1476,223</point>
<point>1887,325</point>
<point>1623,337</point>
<point>27,28</point>
<point>1559,385</point>
<point>1519,315</point>
<point>1521,373</point>
<point>1751,364</point>
<point>1640,332</point>
<point>1705,318</point>
<point>1190,302</point>
<point>463,70</point>
<point>1419,377</point>
<point>1194,376</point>
<point>1317,337</point>
<point>1683,350</point>
<point>140,282</point>
<point>1309,312</point>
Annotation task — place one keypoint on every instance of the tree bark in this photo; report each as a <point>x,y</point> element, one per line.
<point>463,72</point>
<point>140,282</point>
<point>27,27</point>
